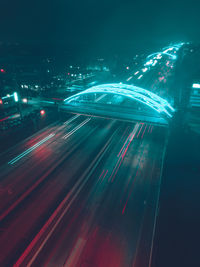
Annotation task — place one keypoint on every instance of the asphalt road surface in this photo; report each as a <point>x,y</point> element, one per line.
<point>82,193</point>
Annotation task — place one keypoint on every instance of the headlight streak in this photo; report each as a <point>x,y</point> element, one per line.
<point>29,150</point>
<point>129,78</point>
<point>76,128</point>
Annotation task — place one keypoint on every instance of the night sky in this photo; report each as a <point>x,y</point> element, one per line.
<point>100,24</point>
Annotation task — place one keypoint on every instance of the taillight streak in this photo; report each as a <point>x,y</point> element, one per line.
<point>123,152</point>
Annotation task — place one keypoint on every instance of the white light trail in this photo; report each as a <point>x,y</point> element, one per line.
<point>29,150</point>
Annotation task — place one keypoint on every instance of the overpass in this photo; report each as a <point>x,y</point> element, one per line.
<point>120,101</point>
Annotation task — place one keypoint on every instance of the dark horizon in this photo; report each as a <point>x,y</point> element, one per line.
<point>100,25</point>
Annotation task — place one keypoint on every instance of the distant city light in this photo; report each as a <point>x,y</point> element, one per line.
<point>150,62</point>
<point>16,97</point>
<point>196,85</point>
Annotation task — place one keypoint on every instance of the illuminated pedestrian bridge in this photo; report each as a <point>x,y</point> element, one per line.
<point>121,100</point>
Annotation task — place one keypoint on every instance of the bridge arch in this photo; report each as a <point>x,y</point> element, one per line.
<point>139,94</point>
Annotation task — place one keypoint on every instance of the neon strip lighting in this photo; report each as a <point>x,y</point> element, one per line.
<point>141,95</point>
<point>132,88</point>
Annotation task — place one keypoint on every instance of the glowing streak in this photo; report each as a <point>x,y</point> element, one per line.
<point>150,62</point>
<point>16,97</point>
<point>104,176</point>
<point>98,99</point>
<point>144,70</point>
<point>136,72</point>
<point>123,145</point>
<point>72,119</point>
<point>130,139</point>
<point>139,131</point>
<point>45,101</point>
<point>139,94</point>
<point>143,132</point>
<point>129,78</point>
<point>100,176</point>
<point>172,56</point>
<point>76,128</point>
<point>140,77</point>
<point>29,150</point>
<point>155,62</point>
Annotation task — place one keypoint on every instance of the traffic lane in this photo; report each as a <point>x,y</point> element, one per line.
<point>97,231</point>
<point>78,188</point>
<point>149,78</point>
<point>122,211</point>
<point>38,165</point>
<point>34,139</point>
<point>23,224</point>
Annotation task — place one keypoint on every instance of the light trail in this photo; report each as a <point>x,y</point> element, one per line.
<point>123,152</point>
<point>99,98</point>
<point>129,78</point>
<point>136,93</point>
<point>68,121</point>
<point>76,128</point>
<point>140,77</point>
<point>54,220</point>
<point>72,119</point>
<point>29,150</point>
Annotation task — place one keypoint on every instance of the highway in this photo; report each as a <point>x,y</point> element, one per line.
<point>83,192</point>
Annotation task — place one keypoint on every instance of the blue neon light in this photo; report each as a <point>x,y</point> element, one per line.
<point>139,94</point>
